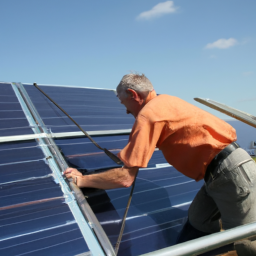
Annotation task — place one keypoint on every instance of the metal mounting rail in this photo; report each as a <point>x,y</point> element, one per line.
<point>207,243</point>
<point>71,86</point>
<point>22,137</point>
<point>93,221</point>
<point>92,133</point>
<point>235,113</point>
<point>62,135</point>
<point>58,165</point>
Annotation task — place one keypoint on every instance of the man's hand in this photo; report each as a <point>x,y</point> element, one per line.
<point>114,178</point>
<point>72,173</point>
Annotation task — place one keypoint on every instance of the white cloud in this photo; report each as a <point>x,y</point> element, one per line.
<point>222,43</point>
<point>159,10</point>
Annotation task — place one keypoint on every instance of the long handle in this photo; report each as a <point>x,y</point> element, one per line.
<point>124,217</point>
<point>108,153</point>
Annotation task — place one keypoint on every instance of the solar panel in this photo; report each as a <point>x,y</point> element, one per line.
<point>12,118</point>
<point>47,228</point>
<point>157,212</point>
<point>34,215</point>
<point>246,135</point>
<point>93,109</point>
<point>160,201</point>
<point>38,212</point>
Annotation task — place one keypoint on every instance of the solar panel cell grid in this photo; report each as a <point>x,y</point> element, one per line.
<point>8,98</point>
<point>7,107</point>
<point>26,191</point>
<point>82,154</point>
<point>12,119</point>
<point>15,131</point>
<point>53,112</point>
<point>34,217</point>
<point>160,201</point>
<point>93,109</point>
<point>10,123</point>
<point>44,228</point>
<point>88,122</point>
<point>73,128</point>
<point>19,171</point>
<point>6,89</point>
<point>10,114</point>
<point>39,219</point>
<point>20,152</point>
<point>157,212</point>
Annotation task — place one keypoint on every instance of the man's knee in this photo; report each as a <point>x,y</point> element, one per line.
<point>188,232</point>
<point>205,222</point>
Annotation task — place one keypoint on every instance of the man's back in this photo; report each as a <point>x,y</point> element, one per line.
<point>189,137</point>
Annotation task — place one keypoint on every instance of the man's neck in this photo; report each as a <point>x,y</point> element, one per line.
<point>151,95</point>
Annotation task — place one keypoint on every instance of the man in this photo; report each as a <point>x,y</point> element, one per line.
<point>196,143</point>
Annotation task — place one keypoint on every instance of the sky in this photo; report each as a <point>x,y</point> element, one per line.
<point>186,48</point>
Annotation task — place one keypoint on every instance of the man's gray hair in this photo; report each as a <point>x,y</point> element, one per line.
<point>139,83</point>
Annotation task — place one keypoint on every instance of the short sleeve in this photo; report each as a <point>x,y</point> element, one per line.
<point>142,142</point>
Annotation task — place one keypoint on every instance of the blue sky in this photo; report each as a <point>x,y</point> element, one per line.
<point>186,48</point>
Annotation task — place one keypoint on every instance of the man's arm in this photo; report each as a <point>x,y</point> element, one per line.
<point>114,178</point>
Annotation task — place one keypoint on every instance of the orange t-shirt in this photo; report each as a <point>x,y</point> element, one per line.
<point>188,136</point>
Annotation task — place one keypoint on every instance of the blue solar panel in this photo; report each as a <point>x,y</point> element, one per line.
<point>245,134</point>
<point>20,151</point>
<point>93,109</point>
<point>7,109</point>
<point>34,215</point>
<point>156,214</point>
<point>82,154</point>
<point>30,193</point>
<point>17,171</point>
<point>26,191</point>
<point>12,119</point>
<point>46,228</point>
<point>160,201</point>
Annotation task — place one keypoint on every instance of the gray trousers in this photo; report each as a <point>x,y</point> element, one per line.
<point>230,196</point>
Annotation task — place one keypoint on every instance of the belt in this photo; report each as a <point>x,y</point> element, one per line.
<point>211,171</point>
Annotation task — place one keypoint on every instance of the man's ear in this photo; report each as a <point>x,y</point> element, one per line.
<point>132,93</point>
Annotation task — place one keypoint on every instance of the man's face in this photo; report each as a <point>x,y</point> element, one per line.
<point>132,106</point>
